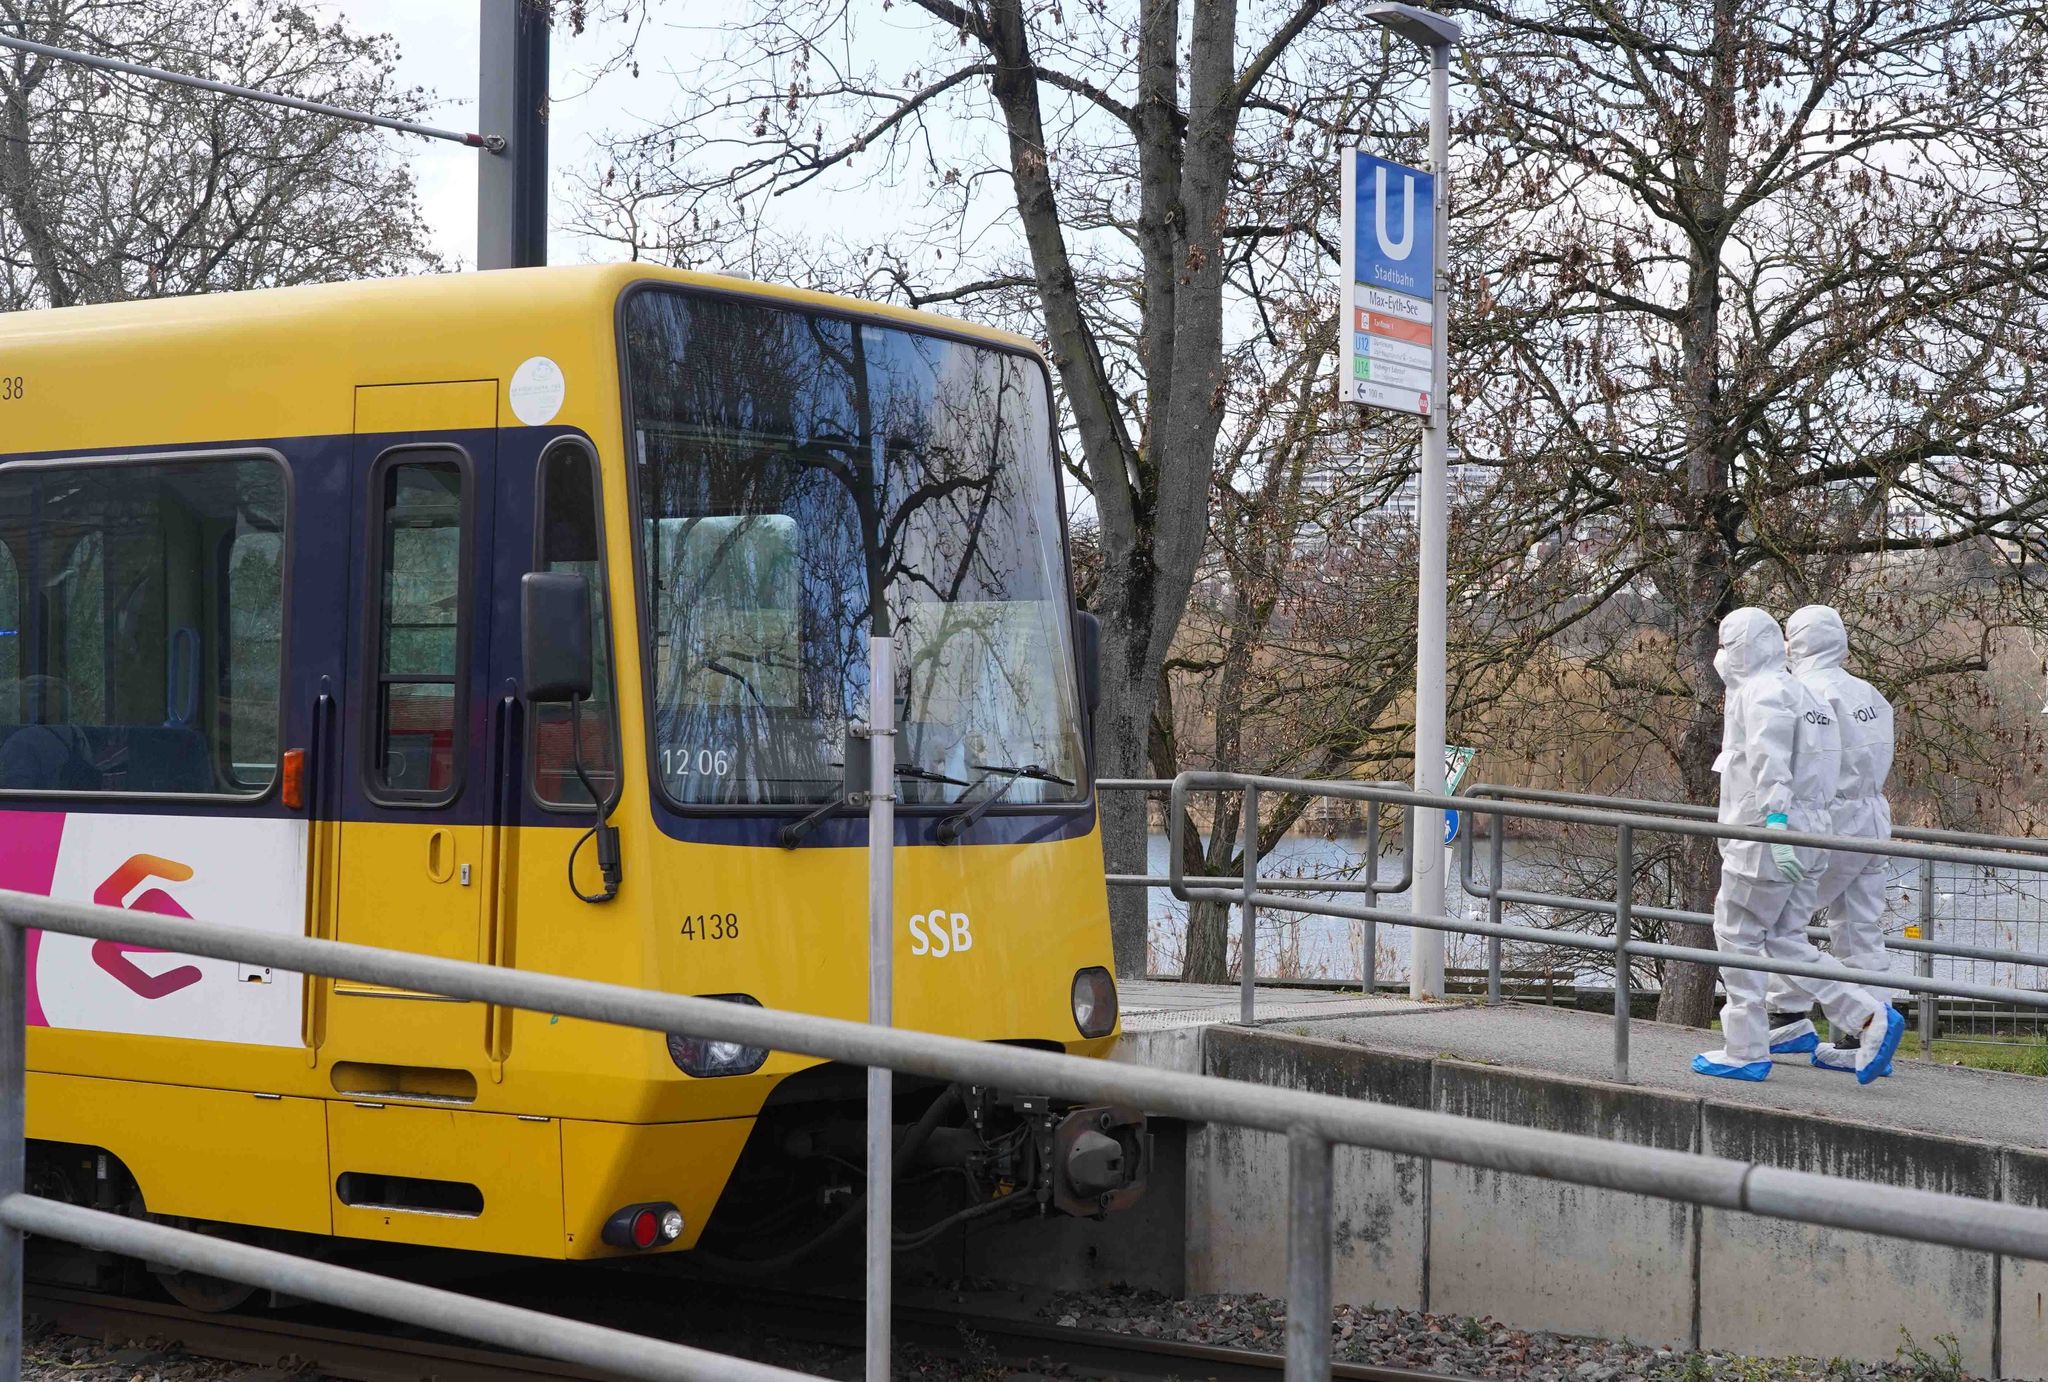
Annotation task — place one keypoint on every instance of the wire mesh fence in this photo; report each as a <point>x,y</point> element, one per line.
<point>1973,906</point>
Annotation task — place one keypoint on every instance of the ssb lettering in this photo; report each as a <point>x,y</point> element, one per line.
<point>939,933</point>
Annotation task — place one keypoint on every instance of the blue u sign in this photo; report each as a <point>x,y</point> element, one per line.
<point>1394,226</point>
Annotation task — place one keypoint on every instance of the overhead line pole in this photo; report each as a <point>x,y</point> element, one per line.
<point>512,96</point>
<point>489,143</point>
<point>512,91</point>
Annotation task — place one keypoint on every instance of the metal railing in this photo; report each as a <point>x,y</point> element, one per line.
<point>1312,1124</point>
<point>1924,948</point>
<point>1248,850</point>
<point>1253,893</point>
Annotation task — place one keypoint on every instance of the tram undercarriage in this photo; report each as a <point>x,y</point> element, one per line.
<point>964,1155</point>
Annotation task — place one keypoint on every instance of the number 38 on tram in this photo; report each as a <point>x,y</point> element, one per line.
<point>295,594</point>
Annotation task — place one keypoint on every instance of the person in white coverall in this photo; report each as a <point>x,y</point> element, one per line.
<point>1779,759</point>
<point>1851,885</point>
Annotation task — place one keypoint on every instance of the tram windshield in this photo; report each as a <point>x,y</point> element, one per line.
<point>789,467</point>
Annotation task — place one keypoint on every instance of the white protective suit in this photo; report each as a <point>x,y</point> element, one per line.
<point>1852,886</point>
<point>1780,754</point>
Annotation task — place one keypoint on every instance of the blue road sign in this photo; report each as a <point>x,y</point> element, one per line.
<point>1393,226</point>
<point>1450,827</point>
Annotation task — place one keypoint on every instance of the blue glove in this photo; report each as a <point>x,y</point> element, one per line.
<point>1784,856</point>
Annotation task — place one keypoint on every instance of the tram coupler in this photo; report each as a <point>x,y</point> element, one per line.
<point>1100,1159</point>
<point>1088,1162</point>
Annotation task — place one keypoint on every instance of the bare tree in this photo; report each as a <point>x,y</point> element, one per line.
<point>1770,320</point>
<point>115,186</point>
<point>1296,656</point>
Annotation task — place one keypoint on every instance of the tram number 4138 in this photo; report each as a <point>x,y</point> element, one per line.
<point>712,926</point>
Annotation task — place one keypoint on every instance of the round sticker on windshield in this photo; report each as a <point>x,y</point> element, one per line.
<point>537,390</point>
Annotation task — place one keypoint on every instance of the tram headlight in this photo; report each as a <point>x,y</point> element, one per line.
<point>704,1059</point>
<point>1094,1002</point>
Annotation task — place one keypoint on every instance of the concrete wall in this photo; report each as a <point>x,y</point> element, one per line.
<point>1770,1286</point>
<point>2022,1285</point>
<point>1237,1179</point>
<point>1542,1255</point>
<point>1526,1250</point>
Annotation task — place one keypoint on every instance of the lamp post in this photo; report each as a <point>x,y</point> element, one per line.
<point>1435,35</point>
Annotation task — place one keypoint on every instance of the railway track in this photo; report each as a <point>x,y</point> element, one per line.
<point>829,1322</point>
<point>1086,1352</point>
<point>268,1340</point>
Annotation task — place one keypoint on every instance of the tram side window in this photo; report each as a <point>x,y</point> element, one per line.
<point>10,637</point>
<point>120,618</point>
<point>572,540</point>
<point>252,575</point>
<point>420,626</point>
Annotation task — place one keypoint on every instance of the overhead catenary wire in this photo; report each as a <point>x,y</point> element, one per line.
<point>489,143</point>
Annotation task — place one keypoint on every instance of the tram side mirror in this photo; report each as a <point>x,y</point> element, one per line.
<point>554,632</point>
<point>1088,648</point>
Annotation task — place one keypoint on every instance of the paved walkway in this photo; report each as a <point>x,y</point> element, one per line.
<point>1152,1005</point>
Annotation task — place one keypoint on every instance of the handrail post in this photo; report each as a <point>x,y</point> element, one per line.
<point>1496,848</point>
<point>1176,809</point>
<point>881,1121</point>
<point>13,1135</point>
<point>1369,938</point>
<point>1248,933</point>
<point>1925,963</point>
<point>1624,907</point>
<point>1308,1257</point>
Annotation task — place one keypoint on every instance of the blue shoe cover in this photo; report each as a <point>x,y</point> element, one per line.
<point>1803,1039</point>
<point>1894,1033</point>
<point>1754,1071</point>
<point>1844,1062</point>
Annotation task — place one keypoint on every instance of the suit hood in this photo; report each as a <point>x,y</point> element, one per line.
<point>1751,644</point>
<point>1815,639</point>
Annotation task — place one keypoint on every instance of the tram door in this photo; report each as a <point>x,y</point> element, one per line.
<point>411,854</point>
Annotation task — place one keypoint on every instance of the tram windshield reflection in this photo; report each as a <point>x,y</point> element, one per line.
<point>790,466</point>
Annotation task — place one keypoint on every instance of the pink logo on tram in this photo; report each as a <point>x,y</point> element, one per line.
<point>112,956</point>
<point>28,862</point>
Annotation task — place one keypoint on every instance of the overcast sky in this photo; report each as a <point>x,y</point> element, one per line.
<point>437,42</point>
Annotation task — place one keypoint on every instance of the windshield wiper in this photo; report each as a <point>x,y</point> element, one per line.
<point>793,834</point>
<point>912,771</point>
<point>960,822</point>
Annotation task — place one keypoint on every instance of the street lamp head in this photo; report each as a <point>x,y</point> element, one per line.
<point>1417,25</point>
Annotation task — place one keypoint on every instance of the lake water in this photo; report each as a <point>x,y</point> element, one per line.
<point>1996,908</point>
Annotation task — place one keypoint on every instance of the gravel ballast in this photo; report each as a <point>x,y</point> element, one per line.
<point>47,1356</point>
<point>1454,1346</point>
<point>1462,1346</point>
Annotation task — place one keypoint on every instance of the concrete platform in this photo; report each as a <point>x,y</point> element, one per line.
<point>1152,1005</point>
<point>1950,1101</point>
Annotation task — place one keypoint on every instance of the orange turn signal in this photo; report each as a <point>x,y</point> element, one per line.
<point>293,778</point>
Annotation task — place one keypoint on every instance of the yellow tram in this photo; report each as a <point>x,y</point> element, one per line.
<point>264,562</point>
